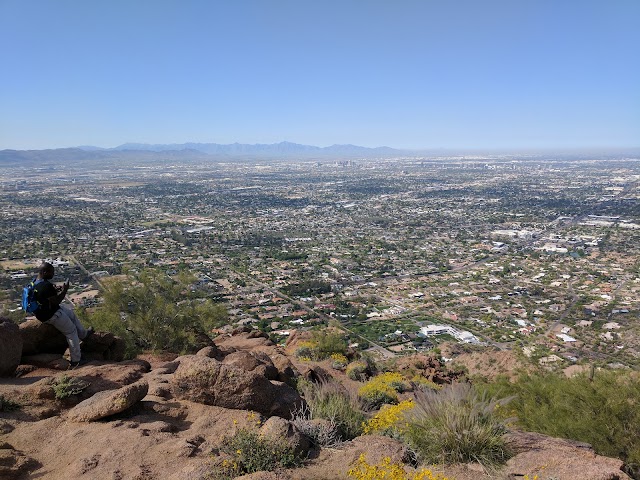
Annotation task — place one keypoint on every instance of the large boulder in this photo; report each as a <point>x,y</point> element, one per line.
<point>279,429</point>
<point>562,458</point>
<point>38,337</point>
<point>10,347</point>
<point>107,403</point>
<point>206,380</point>
<point>103,346</point>
<point>256,362</point>
<point>46,360</point>
<point>241,339</point>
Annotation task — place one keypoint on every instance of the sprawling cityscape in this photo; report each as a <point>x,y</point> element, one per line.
<point>533,254</point>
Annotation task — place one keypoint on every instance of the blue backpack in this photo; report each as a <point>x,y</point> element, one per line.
<point>29,302</point>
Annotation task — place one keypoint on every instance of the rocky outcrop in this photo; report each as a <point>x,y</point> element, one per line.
<point>14,464</point>
<point>38,337</point>
<point>426,367</point>
<point>103,346</point>
<point>241,339</point>
<point>10,347</point>
<point>46,360</point>
<point>252,361</point>
<point>107,403</point>
<point>535,450</point>
<point>205,380</point>
<point>280,429</point>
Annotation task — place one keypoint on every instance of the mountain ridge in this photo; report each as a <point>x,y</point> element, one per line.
<point>189,151</point>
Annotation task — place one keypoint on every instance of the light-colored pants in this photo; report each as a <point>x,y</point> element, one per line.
<point>66,321</point>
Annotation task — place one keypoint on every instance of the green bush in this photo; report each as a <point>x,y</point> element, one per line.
<point>358,371</point>
<point>328,343</point>
<point>153,311</point>
<point>249,452</point>
<point>456,425</point>
<point>604,412</point>
<point>330,401</point>
<point>66,386</point>
<point>7,405</point>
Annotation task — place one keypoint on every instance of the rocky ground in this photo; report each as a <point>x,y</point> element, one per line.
<point>164,417</point>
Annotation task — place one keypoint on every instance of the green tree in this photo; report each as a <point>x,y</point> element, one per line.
<point>153,311</point>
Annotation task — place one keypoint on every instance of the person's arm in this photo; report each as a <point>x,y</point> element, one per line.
<point>56,300</point>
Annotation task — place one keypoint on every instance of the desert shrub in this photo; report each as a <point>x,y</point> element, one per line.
<point>8,405</point>
<point>338,361</point>
<point>424,383</point>
<point>330,401</point>
<point>604,412</point>
<point>358,371</point>
<point>66,386</point>
<point>321,433</point>
<point>305,350</point>
<point>382,389</point>
<point>250,452</point>
<point>376,394</point>
<point>153,311</point>
<point>456,425</point>
<point>389,420</point>
<point>328,343</point>
<point>387,470</point>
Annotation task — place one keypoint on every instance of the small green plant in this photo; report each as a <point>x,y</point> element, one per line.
<point>66,386</point>
<point>456,425</point>
<point>250,452</point>
<point>7,405</point>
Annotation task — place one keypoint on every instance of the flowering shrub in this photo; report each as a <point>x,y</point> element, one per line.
<point>394,380</point>
<point>249,452</point>
<point>339,361</point>
<point>382,389</point>
<point>386,470</point>
<point>305,350</point>
<point>358,371</point>
<point>388,420</point>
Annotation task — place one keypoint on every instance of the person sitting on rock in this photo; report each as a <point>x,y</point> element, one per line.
<point>59,316</point>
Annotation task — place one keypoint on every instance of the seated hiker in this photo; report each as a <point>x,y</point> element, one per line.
<point>62,317</point>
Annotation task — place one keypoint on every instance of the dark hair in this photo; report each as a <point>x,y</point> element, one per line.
<point>45,267</point>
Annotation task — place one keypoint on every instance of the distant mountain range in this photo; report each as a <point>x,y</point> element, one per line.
<point>250,149</point>
<point>190,151</point>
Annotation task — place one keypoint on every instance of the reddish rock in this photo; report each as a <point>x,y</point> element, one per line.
<point>256,362</point>
<point>10,347</point>
<point>107,403</point>
<point>38,337</point>
<point>103,346</point>
<point>205,380</point>
<point>280,429</point>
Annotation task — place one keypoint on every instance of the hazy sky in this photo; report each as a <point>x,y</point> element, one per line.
<point>407,74</point>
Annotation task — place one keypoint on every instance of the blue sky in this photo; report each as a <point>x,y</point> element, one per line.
<point>510,74</point>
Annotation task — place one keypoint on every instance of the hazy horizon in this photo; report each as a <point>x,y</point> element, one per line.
<point>412,75</point>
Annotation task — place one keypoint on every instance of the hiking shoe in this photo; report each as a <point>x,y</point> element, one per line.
<point>74,365</point>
